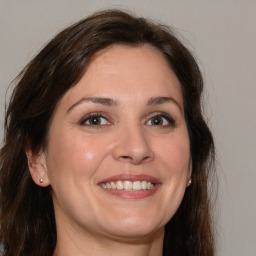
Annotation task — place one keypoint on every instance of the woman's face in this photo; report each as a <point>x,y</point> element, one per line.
<point>118,156</point>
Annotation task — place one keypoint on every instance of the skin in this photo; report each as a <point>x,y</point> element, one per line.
<point>89,219</point>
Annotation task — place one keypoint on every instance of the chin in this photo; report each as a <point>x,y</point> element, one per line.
<point>134,227</point>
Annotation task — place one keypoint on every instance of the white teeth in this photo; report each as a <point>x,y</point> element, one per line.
<point>144,184</point>
<point>150,185</point>
<point>136,185</point>
<point>119,185</point>
<point>128,185</point>
<point>113,185</point>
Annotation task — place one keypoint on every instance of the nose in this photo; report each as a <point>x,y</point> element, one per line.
<point>133,146</point>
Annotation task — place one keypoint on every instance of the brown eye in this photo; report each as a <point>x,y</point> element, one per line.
<point>161,120</point>
<point>94,120</point>
<point>157,120</point>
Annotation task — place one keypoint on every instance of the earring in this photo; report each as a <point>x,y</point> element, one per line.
<point>41,180</point>
<point>189,182</point>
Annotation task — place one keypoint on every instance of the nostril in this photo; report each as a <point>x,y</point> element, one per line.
<point>126,157</point>
<point>135,160</point>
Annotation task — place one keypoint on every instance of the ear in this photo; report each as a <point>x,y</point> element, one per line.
<point>37,166</point>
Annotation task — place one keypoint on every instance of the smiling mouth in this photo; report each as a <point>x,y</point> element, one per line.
<point>128,185</point>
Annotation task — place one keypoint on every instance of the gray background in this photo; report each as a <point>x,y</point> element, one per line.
<point>222,34</point>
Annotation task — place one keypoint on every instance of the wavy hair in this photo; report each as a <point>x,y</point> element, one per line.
<point>26,210</point>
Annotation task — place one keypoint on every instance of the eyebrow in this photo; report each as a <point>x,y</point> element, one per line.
<point>153,101</point>
<point>98,100</point>
<point>161,100</point>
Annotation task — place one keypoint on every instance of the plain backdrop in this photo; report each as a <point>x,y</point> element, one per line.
<point>222,34</point>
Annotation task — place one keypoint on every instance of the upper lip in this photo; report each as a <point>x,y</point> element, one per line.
<point>130,177</point>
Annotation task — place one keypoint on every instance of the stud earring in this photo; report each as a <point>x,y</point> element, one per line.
<point>189,182</point>
<point>41,180</point>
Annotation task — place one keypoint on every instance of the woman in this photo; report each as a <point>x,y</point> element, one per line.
<point>106,151</point>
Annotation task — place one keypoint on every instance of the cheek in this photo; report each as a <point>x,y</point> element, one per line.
<point>74,155</point>
<point>175,154</point>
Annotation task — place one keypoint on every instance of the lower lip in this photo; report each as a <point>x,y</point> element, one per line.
<point>137,194</point>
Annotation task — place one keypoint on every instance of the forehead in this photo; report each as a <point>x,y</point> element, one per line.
<point>120,71</point>
<point>129,60</point>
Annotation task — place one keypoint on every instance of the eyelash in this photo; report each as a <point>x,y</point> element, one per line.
<point>168,118</point>
<point>165,118</point>
<point>90,117</point>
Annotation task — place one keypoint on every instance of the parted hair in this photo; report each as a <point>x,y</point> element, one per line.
<point>26,210</point>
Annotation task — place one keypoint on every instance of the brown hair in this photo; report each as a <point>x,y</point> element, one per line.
<point>26,210</point>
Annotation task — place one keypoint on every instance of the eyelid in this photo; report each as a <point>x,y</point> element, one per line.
<point>168,117</point>
<point>94,114</point>
<point>171,121</point>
